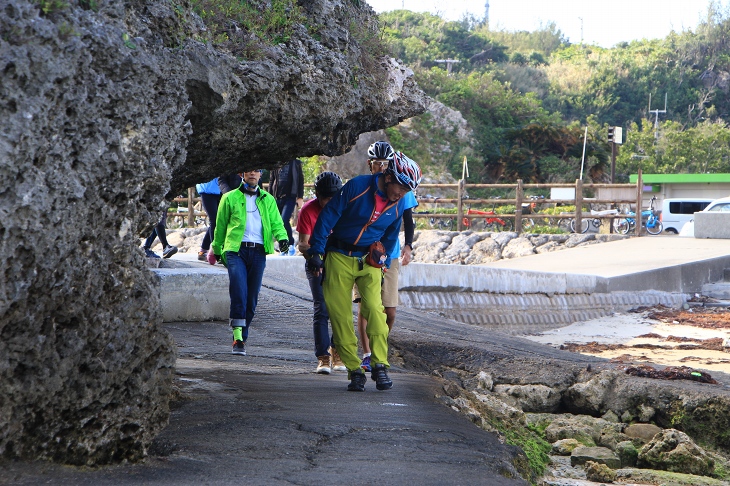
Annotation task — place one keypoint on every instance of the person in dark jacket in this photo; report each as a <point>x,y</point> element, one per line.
<point>366,213</point>
<point>287,186</point>
<point>229,182</point>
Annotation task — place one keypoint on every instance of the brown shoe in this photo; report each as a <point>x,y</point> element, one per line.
<point>324,365</point>
<point>337,364</point>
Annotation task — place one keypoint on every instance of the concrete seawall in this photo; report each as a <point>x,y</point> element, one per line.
<point>521,295</point>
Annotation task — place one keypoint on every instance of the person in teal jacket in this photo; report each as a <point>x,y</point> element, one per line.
<point>247,222</point>
<point>368,209</point>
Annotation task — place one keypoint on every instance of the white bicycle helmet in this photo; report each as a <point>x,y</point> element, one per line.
<point>406,171</point>
<point>380,150</point>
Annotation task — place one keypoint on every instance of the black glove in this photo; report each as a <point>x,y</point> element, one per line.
<point>283,246</point>
<point>314,264</point>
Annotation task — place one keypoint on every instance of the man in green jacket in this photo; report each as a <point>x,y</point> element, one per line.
<point>248,221</point>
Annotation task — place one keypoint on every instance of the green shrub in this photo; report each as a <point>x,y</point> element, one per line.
<point>238,26</point>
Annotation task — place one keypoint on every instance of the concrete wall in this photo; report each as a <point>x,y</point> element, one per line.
<point>713,190</point>
<point>712,225</point>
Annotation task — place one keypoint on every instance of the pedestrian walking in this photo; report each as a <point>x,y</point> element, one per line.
<point>247,223</point>
<point>210,197</point>
<point>326,185</point>
<point>160,232</point>
<point>352,240</point>
<point>287,186</point>
<point>380,154</point>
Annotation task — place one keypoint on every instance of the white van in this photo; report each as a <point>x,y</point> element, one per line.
<point>676,212</point>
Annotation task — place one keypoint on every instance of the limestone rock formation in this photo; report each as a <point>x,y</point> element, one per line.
<point>106,107</point>
<point>676,451</point>
<point>599,473</point>
<point>600,455</point>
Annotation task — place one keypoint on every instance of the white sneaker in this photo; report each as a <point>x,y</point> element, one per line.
<point>324,365</point>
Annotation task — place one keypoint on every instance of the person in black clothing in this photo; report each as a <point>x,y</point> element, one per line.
<point>229,182</point>
<point>159,232</point>
<point>287,186</point>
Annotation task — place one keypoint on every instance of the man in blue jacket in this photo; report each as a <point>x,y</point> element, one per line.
<point>367,210</point>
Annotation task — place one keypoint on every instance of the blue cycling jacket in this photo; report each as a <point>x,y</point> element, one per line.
<point>210,187</point>
<point>348,216</point>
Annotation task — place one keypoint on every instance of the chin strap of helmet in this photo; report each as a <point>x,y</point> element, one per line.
<point>251,191</point>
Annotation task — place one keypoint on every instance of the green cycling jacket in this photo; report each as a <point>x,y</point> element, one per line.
<point>230,223</point>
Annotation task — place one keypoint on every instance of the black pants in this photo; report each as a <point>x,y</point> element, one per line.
<point>210,205</point>
<point>158,232</point>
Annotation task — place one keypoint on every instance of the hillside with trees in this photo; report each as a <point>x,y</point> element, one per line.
<point>528,96</point>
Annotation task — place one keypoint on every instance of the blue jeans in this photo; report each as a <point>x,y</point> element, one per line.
<point>245,272</point>
<point>320,322</point>
<point>286,208</point>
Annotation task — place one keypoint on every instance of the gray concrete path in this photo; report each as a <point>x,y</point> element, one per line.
<point>268,419</point>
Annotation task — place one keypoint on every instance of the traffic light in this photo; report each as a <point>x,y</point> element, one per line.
<point>610,133</point>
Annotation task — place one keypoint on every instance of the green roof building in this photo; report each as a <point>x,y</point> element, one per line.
<point>665,186</point>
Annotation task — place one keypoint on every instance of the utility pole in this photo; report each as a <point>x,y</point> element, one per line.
<point>581,31</point>
<point>656,113</point>
<point>486,13</point>
<point>448,62</point>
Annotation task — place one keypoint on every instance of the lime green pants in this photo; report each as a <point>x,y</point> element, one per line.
<point>341,273</point>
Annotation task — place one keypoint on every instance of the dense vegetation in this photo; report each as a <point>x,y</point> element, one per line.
<point>528,96</point>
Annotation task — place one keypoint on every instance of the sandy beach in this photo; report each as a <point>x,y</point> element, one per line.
<point>696,337</point>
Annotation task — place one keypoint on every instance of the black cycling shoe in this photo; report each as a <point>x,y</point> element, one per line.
<point>380,376</point>
<point>357,381</point>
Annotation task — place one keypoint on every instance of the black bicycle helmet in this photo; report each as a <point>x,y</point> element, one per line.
<point>380,150</point>
<point>327,184</point>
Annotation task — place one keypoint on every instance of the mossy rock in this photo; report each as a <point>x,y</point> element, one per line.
<point>599,473</point>
<point>627,453</point>
<point>665,478</point>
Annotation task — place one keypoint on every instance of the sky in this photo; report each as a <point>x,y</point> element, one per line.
<point>601,22</point>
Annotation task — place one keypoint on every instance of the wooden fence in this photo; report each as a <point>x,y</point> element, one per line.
<point>580,201</point>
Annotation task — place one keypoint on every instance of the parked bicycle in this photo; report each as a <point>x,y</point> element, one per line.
<point>649,219</point>
<point>528,209</point>
<point>491,222</point>
<point>585,223</point>
<point>568,224</point>
<point>441,223</point>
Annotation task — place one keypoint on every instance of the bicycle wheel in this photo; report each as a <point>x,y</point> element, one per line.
<point>527,223</point>
<point>622,226</point>
<point>583,225</point>
<point>498,225</point>
<point>564,225</point>
<point>656,229</point>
